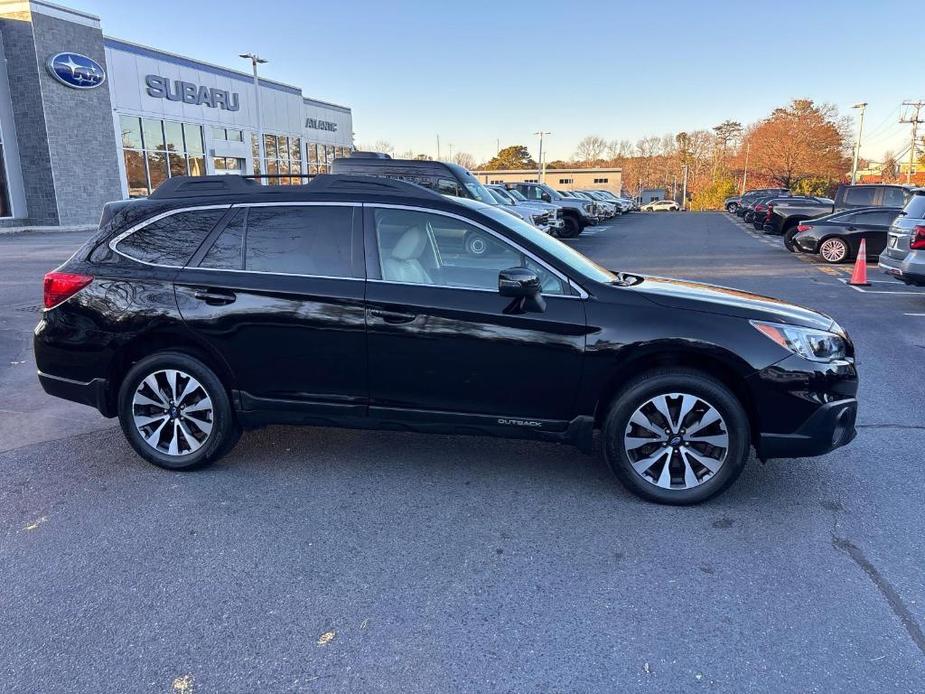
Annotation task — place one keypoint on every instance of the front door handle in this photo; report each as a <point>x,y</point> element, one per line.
<point>215,297</point>
<point>393,317</point>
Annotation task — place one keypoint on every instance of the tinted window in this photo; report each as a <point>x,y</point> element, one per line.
<point>171,240</point>
<point>881,217</point>
<point>859,197</point>
<point>226,251</point>
<point>916,207</point>
<point>301,240</point>
<point>432,249</point>
<point>893,197</point>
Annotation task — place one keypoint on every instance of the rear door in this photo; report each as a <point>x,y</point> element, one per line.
<point>279,294</point>
<point>870,225</point>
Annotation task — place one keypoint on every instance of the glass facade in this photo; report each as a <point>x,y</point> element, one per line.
<point>5,209</point>
<point>321,156</point>
<point>229,165</point>
<point>282,158</point>
<point>154,150</point>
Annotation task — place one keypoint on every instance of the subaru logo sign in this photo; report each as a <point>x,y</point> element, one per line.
<point>76,70</point>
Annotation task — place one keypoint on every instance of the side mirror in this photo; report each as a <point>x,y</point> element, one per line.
<point>523,286</point>
<point>518,283</point>
<point>546,197</point>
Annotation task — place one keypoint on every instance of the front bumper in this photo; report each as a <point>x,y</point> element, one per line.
<point>803,408</point>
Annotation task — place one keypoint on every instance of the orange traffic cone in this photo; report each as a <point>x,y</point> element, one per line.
<point>859,275</point>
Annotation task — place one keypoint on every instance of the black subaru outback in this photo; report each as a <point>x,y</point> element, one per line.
<point>218,304</point>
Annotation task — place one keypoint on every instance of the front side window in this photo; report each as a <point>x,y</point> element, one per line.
<point>433,249</point>
<point>171,240</point>
<point>312,240</point>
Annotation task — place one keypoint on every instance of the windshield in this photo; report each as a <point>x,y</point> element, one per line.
<point>563,253</point>
<point>517,195</point>
<point>499,196</point>
<point>478,191</point>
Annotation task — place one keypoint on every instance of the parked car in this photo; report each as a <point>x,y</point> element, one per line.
<point>730,204</point>
<point>786,214</point>
<point>555,211</point>
<point>543,216</point>
<point>612,207</point>
<point>217,304</point>
<point>661,206</point>
<point>837,237</point>
<point>904,255</point>
<point>576,213</point>
<point>746,200</point>
<point>603,210</point>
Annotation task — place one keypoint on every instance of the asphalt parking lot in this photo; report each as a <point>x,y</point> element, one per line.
<point>335,560</point>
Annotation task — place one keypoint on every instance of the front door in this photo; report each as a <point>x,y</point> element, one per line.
<point>871,225</point>
<point>279,295</point>
<point>441,338</point>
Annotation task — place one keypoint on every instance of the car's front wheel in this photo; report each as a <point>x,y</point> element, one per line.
<point>731,208</point>
<point>676,436</point>
<point>175,412</point>
<point>572,227</point>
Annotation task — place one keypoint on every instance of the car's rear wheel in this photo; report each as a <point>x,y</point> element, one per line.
<point>788,240</point>
<point>175,412</point>
<point>834,250</point>
<point>676,436</point>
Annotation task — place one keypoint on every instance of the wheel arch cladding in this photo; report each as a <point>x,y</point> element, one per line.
<point>710,362</point>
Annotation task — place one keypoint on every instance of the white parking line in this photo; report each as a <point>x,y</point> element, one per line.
<point>875,291</point>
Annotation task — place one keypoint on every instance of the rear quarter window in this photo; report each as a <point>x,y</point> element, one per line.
<point>170,240</point>
<point>916,207</point>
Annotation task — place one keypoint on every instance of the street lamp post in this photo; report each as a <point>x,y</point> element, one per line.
<point>539,173</point>
<point>261,154</point>
<point>857,145</point>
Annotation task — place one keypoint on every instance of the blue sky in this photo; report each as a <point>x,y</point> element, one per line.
<point>477,72</point>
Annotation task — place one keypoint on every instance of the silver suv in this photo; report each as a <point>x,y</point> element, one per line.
<point>904,255</point>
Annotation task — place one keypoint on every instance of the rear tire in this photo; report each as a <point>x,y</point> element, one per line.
<point>834,250</point>
<point>788,240</point>
<point>689,450</point>
<point>175,412</point>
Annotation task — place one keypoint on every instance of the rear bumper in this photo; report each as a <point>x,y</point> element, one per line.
<point>93,392</point>
<point>830,427</point>
<point>805,245</point>
<point>910,269</point>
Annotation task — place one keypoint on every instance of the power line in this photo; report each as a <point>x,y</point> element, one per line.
<point>914,121</point>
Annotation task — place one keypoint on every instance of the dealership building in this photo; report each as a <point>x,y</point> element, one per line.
<point>560,179</point>
<point>86,118</point>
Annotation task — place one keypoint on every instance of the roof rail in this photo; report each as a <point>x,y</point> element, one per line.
<point>232,184</point>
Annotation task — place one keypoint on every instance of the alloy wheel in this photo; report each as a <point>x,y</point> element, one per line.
<point>833,250</point>
<point>676,441</point>
<point>172,412</point>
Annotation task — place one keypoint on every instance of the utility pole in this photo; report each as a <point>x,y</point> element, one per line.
<point>748,146</point>
<point>684,190</point>
<point>438,147</point>
<point>539,173</point>
<point>497,145</point>
<point>914,120</point>
<point>857,145</point>
<point>261,154</point>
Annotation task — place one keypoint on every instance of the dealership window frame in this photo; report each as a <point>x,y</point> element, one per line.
<point>282,155</point>
<point>165,148</point>
<point>6,199</point>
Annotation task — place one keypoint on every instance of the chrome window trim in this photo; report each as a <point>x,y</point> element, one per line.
<point>278,274</point>
<point>582,294</point>
<point>141,225</point>
<point>156,218</point>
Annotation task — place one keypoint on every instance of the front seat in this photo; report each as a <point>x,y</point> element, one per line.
<point>403,264</point>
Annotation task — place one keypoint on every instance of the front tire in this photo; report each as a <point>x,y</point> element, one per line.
<point>731,208</point>
<point>175,412</point>
<point>572,228</point>
<point>676,436</point>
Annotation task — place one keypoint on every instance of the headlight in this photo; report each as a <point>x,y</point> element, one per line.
<point>588,206</point>
<point>814,345</point>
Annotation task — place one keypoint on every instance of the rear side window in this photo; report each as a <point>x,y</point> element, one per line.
<point>916,207</point>
<point>860,197</point>
<point>227,252</point>
<point>880,217</point>
<point>171,240</point>
<point>312,240</point>
<point>894,197</point>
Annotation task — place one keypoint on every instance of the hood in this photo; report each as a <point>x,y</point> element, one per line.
<point>729,302</point>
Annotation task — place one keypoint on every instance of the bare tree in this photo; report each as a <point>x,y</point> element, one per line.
<point>465,160</point>
<point>591,148</point>
<point>379,146</point>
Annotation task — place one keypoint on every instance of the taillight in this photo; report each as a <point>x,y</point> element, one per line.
<point>803,227</point>
<point>767,217</point>
<point>61,286</point>
<point>918,241</point>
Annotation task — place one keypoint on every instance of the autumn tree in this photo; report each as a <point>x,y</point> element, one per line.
<point>889,171</point>
<point>513,157</point>
<point>801,140</point>
<point>590,149</point>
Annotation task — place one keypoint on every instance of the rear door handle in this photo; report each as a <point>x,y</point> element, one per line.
<point>393,317</point>
<point>215,297</point>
